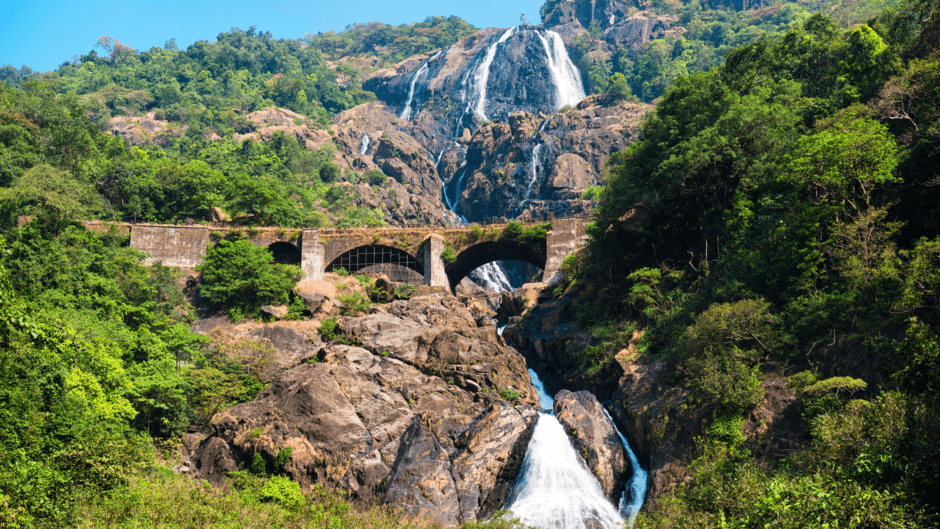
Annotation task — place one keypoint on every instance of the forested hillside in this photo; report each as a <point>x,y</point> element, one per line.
<point>779,220</point>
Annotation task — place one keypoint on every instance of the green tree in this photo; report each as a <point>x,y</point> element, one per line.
<point>618,89</point>
<point>238,275</point>
<point>44,186</point>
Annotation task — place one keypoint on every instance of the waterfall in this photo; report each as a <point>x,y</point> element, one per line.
<point>569,90</point>
<point>546,402</point>
<point>533,170</point>
<point>481,76</point>
<point>406,113</point>
<point>458,190</point>
<point>554,490</point>
<point>492,276</point>
<point>635,492</point>
<point>364,144</point>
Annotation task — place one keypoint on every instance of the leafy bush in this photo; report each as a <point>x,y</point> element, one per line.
<point>512,230</point>
<point>282,491</point>
<point>354,303</point>
<point>241,276</point>
<point>329,329</point>
<point>509,395</point>
<point>448,255</point>
<point>727,428</point>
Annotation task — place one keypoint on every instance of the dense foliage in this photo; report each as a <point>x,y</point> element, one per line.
<point>241,277</point>
<point>710,31</point>
<point>780,211</point>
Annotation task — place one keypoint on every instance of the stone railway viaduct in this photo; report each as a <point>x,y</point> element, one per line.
<point>429,256</point>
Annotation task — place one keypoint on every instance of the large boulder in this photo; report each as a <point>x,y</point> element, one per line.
<point>414,416</point>
<point>595,438</point>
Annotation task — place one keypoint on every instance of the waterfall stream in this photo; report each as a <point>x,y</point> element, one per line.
<point>533,170</point>
<point>481,76</point>
<point>406,113</point>
<point>364,144</point>
<point>554,490</point>
<point>569,90</point>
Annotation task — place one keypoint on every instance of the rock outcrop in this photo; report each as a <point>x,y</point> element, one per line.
<point>536,168</point>
<point>414,416</point>
<point>143,130</point>
<point>595,439</point>
<point>623,24</point>
<point>263,124</point>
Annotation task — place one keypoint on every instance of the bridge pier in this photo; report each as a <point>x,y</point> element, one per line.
<point>434,274</point>
<point>566,237</point>
<point>312,252</point>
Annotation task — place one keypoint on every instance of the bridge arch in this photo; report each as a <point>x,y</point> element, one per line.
<point>285,252</point>
<point>488,251</point>
<point>371,256</point>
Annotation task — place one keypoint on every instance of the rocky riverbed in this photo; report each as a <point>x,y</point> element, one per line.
<point>425,406</point>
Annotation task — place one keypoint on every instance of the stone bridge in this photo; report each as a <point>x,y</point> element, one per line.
<point>429,256</point>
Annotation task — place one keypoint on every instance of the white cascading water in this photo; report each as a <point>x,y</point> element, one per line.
<point>533,170</point>
<point>554,490</point>
<point>406,113</point>
<point>364,144</point>
<point>569,90</point>
<point>635,492</point>
<point>458,190</point>
<point>492,276</point>
<point>481,76</point>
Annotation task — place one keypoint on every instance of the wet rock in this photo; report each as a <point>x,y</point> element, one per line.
<point>595,439</point>
<point>492,451</point>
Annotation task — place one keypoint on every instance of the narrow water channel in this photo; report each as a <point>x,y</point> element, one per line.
<point>554,490</point>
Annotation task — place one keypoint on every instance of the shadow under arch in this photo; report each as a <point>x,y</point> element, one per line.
<point>285,252</point>
<point>489,251</point>
<point>362,257</point>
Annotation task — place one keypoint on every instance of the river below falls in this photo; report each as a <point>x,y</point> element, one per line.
<point>555,490</point>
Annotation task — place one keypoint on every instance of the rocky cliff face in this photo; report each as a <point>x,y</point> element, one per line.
<point>658,417</point>
<point>414,416</point>
<point>473,128</point>
<point>623,23</point>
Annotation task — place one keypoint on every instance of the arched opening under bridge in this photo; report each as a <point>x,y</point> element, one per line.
<point>376,259</point>
<point>285,252</point>
<point>490,251</point>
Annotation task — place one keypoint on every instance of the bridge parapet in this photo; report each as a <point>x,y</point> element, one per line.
<point>438,256</point>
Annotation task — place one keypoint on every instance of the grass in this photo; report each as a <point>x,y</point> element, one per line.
<point>162,498</point>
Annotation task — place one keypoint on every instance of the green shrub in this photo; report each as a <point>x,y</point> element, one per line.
<point>329,329</point>
<point>297,309</point>
<point>512,230</point>
<point>448,255</point>
<point>374,177</point>
<point>242,277</point>
<point>404,291</point>
<point>341,272</point>
<point>282,491</point>
<point>354,303</point>
<point>509,395</point>
<point>727,428</point>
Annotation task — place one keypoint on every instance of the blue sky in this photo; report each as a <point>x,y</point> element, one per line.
<point>42,34</point>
